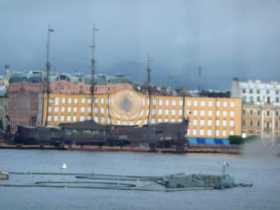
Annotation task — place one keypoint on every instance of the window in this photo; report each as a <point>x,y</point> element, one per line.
<point>209,132</point>
<point>202,113</point>
<point>218,113</point>
<point>195,103</point>
<point>232,104</point>
<point>75,101</point>
<point>74,118</point>
<point>62,118</point>
<point>69,109</point>
<point>231,114</point>
<point>267,113</point>
<point>224,123</point>
<point>160,102</point>
<point>160,111</point>
<point>56,109</point>
<point>62,109</point>
<point>218,123</point>
<point>209,122</point>
<point>69,100</point>
<point>75,109</point>
<point>251,91</point>
<point>202,103</point>
<point>194,122</point>
<point>210,103</point>
<point>82,109</point>
<point>217,133</point>
<point>258,91</point>
<point>244,91</point>
<point>202,122</point>
<point>231,123</point>
<point>63,100</point>
<point>225,104</point>
<point>49,118</point>
<point>210,113</point>
<point>194,132</point>
<point>166,112</point>
<point>224,113</point>
<point>173,102</point>
<point>173,112</point>
<point>181,102</point>
<point>268,100</point>
<point>50,109</point>
<point>83,100</point>
<point>167,102</point>
<point>201,132</point>
<point>56,101</point>
<point>69,118</point>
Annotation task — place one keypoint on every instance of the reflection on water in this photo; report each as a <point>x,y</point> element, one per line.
<point>262,172</point>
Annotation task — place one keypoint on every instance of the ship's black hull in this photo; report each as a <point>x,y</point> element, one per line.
<point>91,133</point>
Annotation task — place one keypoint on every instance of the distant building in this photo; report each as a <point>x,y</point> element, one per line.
<point>261,107</point>
<point>213,117</point>
<point>257,92</point>
<point>263,121</point>
<point>209,117</point>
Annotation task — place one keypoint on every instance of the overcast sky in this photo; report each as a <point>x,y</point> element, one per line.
<point>227,38</point>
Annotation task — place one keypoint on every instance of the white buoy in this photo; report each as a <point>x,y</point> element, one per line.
<point>64,166</point>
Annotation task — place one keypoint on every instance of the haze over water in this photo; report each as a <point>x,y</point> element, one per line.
<point>262,172</point>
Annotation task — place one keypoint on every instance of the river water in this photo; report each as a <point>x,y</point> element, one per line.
<point>261,170</point>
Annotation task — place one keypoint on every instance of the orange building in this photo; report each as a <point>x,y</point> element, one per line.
<point>209,117</point>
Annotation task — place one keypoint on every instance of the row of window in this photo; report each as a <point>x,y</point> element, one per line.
<point>69,100</point>
<point>258,99</point>
<point>211,103</point>
<point>210,113</point>
<point>224,123</point>
<point>210,133</point>
<point>267,113</point>
<point>258,91</point>
<point>167,102</point>
<point>69,118</point>
<point>258,124</point>
<point>102,110</point>
<point>75,109</point>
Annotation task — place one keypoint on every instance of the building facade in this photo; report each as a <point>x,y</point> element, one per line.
<point>263,121</point>
<point>209,117</point>
<point>256,92</point>
<point>213,117</point>
<point>261,107</point>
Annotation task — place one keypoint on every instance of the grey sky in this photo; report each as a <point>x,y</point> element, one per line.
<point>227,38</point>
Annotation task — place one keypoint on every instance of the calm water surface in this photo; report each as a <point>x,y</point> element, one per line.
<point>263,172</point>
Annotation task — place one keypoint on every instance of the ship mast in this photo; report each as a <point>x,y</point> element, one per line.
<point>93,71</point>
<point>46,88</point>
<point>148,84</point>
